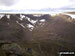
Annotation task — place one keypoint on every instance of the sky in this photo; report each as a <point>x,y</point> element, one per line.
<point>36,4</point>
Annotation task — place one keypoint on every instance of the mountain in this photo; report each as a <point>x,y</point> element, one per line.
<point>37,34</point>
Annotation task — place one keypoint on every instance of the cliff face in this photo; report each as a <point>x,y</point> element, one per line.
<point>45,37</point>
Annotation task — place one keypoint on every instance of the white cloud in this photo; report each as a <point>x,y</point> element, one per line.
<point>8,2</point>
<point>36,4</point>
<point>39,4</point>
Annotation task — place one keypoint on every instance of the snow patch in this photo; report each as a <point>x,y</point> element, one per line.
<point>22,16</point>
<point>1,16</point>
<point>30,27</point>
<point>20,24</point>
<point>17,22</point>
<point>37,15</point>
<point>71,15</point>
<point>33,21</point>
<point>28,19</point>
<point>42,20</point>
<point>8,16</point>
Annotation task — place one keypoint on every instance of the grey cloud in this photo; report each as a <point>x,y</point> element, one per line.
<point>72,0</point>
<point>8,2</point>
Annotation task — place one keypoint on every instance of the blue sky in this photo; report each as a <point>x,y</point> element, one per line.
<point>36,4</point>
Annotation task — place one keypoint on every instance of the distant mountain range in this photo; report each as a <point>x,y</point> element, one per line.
<point>40,10</point>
